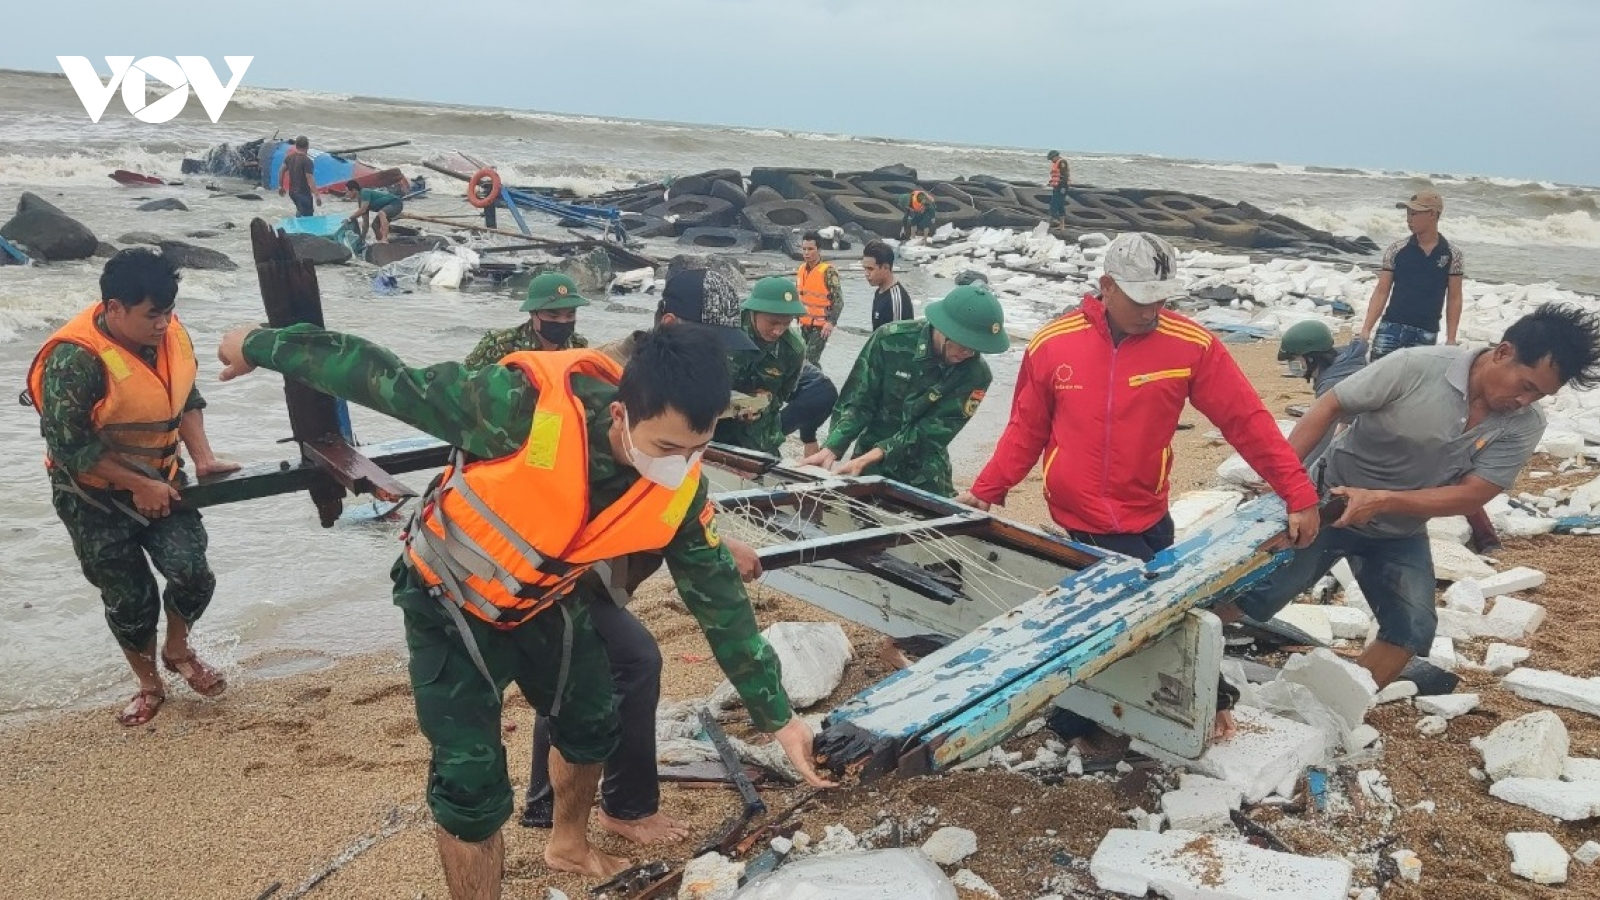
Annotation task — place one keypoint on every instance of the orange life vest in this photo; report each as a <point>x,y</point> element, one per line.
<point>139,415</point>
<point>506,538</point>
<point>1058,171</point>
<point>813,285</point>
<point>919,201</point>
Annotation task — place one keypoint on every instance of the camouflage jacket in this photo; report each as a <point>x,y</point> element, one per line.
<point>772,369</point>
<point>74,382</point>
<point>901,399</point>
<point>496,344</point>
<point>487,412</point>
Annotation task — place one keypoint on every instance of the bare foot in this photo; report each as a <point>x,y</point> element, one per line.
<point>657,829</point>
<point>592,862</point>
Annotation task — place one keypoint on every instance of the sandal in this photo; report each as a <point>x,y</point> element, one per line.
<point>142,708</point>
<point>201,678</point>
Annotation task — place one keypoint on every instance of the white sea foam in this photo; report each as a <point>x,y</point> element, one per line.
<point>1569,229</point>
<point>280,98</point>
<point>85,168</point>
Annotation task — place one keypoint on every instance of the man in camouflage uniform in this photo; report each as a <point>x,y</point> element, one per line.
<point>914,387</point>
<point>552,308</point>
<point>114,529</point>
<point>772,369</point>
<point>487,413</point>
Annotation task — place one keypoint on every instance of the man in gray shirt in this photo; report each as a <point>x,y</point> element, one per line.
<point>1434,431</point>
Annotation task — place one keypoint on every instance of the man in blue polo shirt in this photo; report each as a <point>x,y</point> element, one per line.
<point>1421,278</point>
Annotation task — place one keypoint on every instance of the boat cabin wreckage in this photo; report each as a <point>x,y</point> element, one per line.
<point>1027,620</point>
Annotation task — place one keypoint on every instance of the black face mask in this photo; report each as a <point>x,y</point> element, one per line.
<point>557,333</point>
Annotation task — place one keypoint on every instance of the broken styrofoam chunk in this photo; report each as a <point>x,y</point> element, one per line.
<point>1189,865</point>
<point>1375,785</point>
<point>1197,509</point>
<point>1556,689</point>
<point>1453,562</point>
<point>1361,737</point>
<point>1588,853</point>
<point>1308,617</point>
<point>1580,768</point>
<point>1450,528</point>
<point>710,877</point>
<point>949,846</point>
<point>1341,570</point>
<point>1395,690</point>
<point>1348,623</point>
<point>1448,706</point>
<point>1443,654</point>
<point>1431,726</point>
<point>813,654</point>
<point>1265,753</point>
<point>1344,687</point>
<point>1232,793</point>
<point>1531,746</point>
<point>1458,625</point>
<point>1465,596</point>
<point>1500,658</point>
<point>1511,581</point>
<point>1409,866</point>
<point>837,839</point>
<point>1197,809</point>
<point>1570,801</point>
<point>970,880</point>
<point>875,873</point>
<point>1512,619</point>
<point>1537,857</point>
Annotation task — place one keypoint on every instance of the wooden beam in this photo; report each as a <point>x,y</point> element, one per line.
<point>271,479</point>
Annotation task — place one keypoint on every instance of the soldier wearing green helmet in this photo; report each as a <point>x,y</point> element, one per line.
<point>771,370</point>
<point>552,308</point>
<point>914,387</point>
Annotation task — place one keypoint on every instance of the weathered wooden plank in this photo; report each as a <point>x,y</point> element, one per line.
<point>969,695</point>
<point>270,479</point>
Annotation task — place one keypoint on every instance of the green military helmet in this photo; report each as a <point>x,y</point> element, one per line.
<point>776,295</point>
<point>553,290</point>
<point>1303,338</point>
<point>971,316</point>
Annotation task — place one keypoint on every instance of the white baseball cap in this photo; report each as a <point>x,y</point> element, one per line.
<point>1145,267</point>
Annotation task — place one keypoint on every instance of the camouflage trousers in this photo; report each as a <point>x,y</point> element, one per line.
<point>815,343</point>
<point>459,711</point>
<point>116,553</point>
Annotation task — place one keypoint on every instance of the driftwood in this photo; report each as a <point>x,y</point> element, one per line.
<point>397,821</point>
<point>621,254</point>
<point>368,147</point>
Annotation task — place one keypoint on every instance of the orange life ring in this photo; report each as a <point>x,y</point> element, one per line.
<point>494,188</point>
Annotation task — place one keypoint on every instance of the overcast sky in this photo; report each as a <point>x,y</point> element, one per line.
<point>1460,86</point>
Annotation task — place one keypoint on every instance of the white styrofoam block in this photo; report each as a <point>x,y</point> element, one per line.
<point>1443,654</point>
<point>1232,793</point>
<point>1555,689</point>
<point>1187,866</point>
<point>1579,768</point>
<point>1312,618</point>
<point>1465,596</point>
<point>968,880</point>
<point>1500,658</point>
<point>1512,619</point>
<point>1458,625</point>
<point>1344,687</point>
<point>1537,857</point>
<point>1341,570</point>
<point>1510,581</point>
<point>1197,809</point>
<point>1531,746</point>
<point>1348,623</point>
<point>1194,510</point>
<point>1450,528</point>
<point>1448,705</point>
<point>1453,562</point>
<point>1354,598</point>
<point>1265,753</point>
<point>1396,690</point>
<point>1588,853</point>
<point>949,846</point>
<point>1361,737</point>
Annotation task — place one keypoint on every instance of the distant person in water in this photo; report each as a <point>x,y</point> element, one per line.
<point>382,206</point>
<point>297,178</point>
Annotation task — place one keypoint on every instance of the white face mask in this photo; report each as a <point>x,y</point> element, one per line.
<point>667,471</point>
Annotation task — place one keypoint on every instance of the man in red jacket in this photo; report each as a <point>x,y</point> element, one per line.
<point>1099,394</point>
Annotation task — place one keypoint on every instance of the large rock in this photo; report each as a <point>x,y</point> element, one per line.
<point>319,250</point>
<point>49,232</point>
<point>165,203</point>
<point>188,256</point>
<point>141,237</point>
<point>724,265</point>
<point>813,655</point>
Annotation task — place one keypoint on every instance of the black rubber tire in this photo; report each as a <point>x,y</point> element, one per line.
<point>1090,218</point>
<point>1223,228</point>
<point>695,211</point>
<point>775,221</point>
<point>778,178</point>
<point>721,240</point>
<point>701,183</point>
<point>987,194</point>
<point>885,187</point>
<point>953,211</point>
<point>844,251</point>
<point>733,193</point>
<point>868,212</point>
<point>1270,233</point>
<point>762,194</point>
<point>641,225</point>
<point>1106,201</point>
<point>1178,205</point>
<point>818,189</point>
<point>1010,217</point>
<point>1157,221</point>
<point>1036,199</point>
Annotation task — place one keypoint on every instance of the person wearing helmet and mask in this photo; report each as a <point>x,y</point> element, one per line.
<point>771,370</point>
<point>552,307</point>
<point>914,387</point>
<point>1307,350</point>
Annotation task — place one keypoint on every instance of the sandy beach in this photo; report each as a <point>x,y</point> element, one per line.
<point>285,778</point>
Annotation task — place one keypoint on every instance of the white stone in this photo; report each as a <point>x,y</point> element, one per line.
<point>1361,737</point>
<point>781,845</point>
<point>1465,596</point>
<point>1427,806</point>
<point>1431,726</point>
<point>1443,654</point>
<point>814,656</point>
<point>1448,705</point>
<point>551,893</point>
<point>1556,689</point>
<point>1500,658</point>
<point>1308,617</point>
<point>710,877</point>
<point>1588,853</point>
<point>1409,865</point>
<point>1510,581</point>
<point>1344,687</point>
<point>1348,623</point>
<point>1453,562</point>
<point>1512,619</point>
<point>1186,866</point>
<point>1267,753</point>
<point>949,846</point>
<point>1197,809</point>
<point>1570,801</point>
<point>968,879</point>
<point>1537,857</point>
<point>1532,746</point>
<point>1396,690</point>
<point>1580,768</point>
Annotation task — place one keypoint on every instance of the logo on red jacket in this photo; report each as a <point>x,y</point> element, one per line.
<point>1063,379</point>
